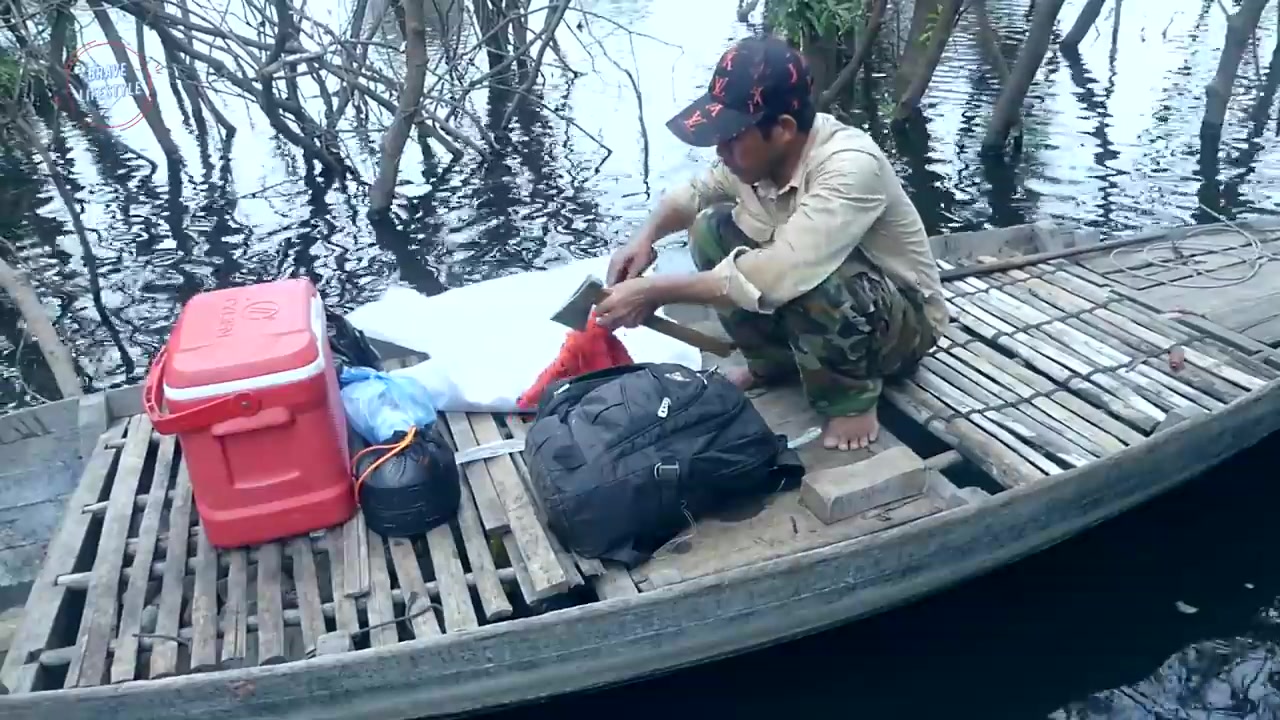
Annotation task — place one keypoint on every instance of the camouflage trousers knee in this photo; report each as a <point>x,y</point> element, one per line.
<point>843,338</point>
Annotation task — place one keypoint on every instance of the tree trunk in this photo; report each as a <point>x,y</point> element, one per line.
<point>989,41</point>
<point>860,55</point>
<point>1008,110</point>
<point>921,74</point>
<point>1240,27</point>
<point>1084,21</point>
<point>393,141</point>
<point>822,54</point>
<point>912,57</point>
<point>147,106</point>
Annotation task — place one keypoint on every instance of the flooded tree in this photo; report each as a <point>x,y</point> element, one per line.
<point>839,38</point>
<point>313,83</point>
<point>1241,26</point>
<point>1013,93</point>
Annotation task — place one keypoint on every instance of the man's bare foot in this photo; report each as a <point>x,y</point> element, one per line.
<point>851,432</point>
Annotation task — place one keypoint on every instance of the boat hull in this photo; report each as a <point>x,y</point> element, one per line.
<point>626,639</point>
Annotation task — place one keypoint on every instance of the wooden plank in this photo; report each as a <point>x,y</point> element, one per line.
<point>381,609</point>
<point>493,598</point>
<point>355,556</point>
<point>1097,295</point>
<point>422,619</point>
<point>1068,410</point>
<point>994,424</point>
<point>455,595</point>
<point>545,571</point>
<point>23,680</point>
<point>97,627</point>
<point>523,581</point>
<point>344,606</point>
<point>571,562</point>
<point>1079,351</point>
<point>93,419</point>
<point>307,587</point>
<point>1137,310</point>
<point>164,656</point>
<point>615,582</point>
<point>1211,300</point>
<point>987,452</point>
<point>204,607</point>
<point>492,513</point>
<point>235,611</point>
<point>1070,448</point>
<point>1048,360</point>
<point>124,663</point>
<point>762,529</point>
<point>1266,332</point>
<point>1229,337</point>
<point>1196,385</point>
<point>271,649</point>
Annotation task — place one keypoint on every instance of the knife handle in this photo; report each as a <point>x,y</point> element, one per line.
<point>696,338</point>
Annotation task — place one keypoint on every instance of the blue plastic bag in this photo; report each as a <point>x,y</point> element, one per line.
<point>380,404</point>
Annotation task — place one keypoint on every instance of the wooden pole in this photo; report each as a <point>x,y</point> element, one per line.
<point>964,271</point>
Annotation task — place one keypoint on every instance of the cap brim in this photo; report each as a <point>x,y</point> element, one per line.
<point>696,125</point>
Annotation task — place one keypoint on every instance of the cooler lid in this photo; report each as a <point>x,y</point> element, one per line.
<point>245,335</point>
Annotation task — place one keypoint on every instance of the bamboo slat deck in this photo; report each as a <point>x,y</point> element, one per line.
<point>1044,369</point>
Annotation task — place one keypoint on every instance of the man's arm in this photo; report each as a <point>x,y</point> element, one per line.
<point>844,201</point>
<point>678,208</point>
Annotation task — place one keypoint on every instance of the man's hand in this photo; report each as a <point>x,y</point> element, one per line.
<point>631,260</point>
<point>628,304</point>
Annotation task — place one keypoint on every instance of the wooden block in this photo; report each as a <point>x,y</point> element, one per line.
<point>334,643</point>
<point>1177,416</point>
<point>840,493</point>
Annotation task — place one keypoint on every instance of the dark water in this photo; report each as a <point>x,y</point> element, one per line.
<point>1110,142</point>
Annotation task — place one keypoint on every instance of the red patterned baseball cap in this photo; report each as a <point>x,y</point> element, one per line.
<point>758,76</point>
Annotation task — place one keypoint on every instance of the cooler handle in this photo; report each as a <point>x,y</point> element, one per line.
<point>227,407</point>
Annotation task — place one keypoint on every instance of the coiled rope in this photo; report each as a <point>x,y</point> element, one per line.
<point>1200,256</point>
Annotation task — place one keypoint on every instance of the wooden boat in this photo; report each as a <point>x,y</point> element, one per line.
<point>1077,389</point>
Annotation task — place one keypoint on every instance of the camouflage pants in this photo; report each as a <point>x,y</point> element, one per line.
<point>843,338</point>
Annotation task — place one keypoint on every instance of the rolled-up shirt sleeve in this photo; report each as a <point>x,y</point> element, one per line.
<point>711,187</point>
<point>844,199</point>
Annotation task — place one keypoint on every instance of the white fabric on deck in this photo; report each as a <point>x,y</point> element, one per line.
<point>488,342</point>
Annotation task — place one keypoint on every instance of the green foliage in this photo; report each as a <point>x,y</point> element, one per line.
<point>931,21</point>
<point>11,77</point>
<point>801,20</point>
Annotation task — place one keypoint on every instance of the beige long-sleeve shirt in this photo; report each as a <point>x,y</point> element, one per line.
<point>844,195</point>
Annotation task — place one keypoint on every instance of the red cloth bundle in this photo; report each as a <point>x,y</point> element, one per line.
<point>593,348</point>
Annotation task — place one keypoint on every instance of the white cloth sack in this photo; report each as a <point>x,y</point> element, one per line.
<point>488,342</point>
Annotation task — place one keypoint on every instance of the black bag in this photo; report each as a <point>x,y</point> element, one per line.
<point>350,346</point>
<point>413,490</point>
<point>621,459</point>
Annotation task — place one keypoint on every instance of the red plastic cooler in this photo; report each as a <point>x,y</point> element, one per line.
<point>247,384</point>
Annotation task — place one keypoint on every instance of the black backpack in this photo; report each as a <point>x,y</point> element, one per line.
<point>621,459</point>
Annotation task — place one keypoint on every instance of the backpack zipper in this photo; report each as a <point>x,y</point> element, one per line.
<point>664,407</point>
<point>692,401</point>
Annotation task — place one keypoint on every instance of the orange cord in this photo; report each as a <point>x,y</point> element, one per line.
<point>392,450</point>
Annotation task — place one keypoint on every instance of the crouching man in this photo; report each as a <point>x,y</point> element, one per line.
<point>806,244</point>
